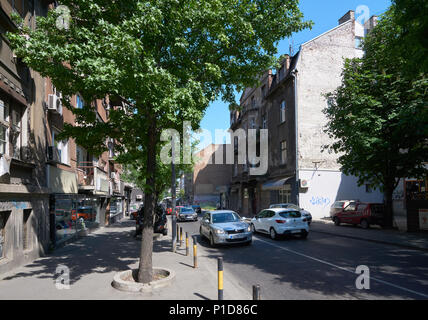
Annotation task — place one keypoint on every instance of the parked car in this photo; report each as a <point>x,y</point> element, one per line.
<point>224,227</point>
<point>187,214</point>
<point>360,213</point>
<point>280,222</point>
<point>197,208</point>
<point>338,206</point>
<point>160,224</point>
<point>304,213</point>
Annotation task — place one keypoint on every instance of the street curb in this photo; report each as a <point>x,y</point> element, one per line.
<point>128,286</point>
<point>373,240</point>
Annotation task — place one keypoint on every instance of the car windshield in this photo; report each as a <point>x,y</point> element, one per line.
<point>225,217</point>
<point>290,214</point>
<point>186,210</point>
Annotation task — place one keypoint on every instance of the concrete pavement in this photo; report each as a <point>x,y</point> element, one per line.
<point>95,259</point>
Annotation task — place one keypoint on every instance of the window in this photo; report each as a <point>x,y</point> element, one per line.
<point>358,42</point>
<point>253,102</point>
<point>284,196</point>
<point>11,126</point>
<point>15,133</point>
<point>264,122</point>
<point>351,207</point>
<point>264,90</point>
<point>3,221</point>
<point>62,147</point>
<point>3,139</point>
<point>4,111</point>
<point>79,102</point>
<point>252,123</point>
<point>282,112</point>
<point>26,227</point>
<point>283,152</point>
<point>290,214</point>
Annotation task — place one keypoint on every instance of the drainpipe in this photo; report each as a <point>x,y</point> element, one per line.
<point>294,74</point>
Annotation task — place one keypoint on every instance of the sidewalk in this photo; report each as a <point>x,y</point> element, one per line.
<point>418,241</point>
<point>95,259</point>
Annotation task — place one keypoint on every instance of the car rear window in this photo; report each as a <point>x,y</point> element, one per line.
<point>186,210</point>
<point>290,214</point>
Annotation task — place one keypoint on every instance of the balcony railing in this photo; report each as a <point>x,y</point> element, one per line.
<point>86,174</point>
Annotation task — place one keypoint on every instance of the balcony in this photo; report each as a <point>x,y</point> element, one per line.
<point>92,178</point>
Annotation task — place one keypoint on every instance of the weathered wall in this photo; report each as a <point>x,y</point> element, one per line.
<point>326,187</point>
<point>319,72</point>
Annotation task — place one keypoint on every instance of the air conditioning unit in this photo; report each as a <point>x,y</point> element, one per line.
<point>53,154</point>
<point>54,103</point>
<point>304,183</point>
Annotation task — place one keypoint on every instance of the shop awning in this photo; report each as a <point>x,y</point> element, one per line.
<point>275,184</point>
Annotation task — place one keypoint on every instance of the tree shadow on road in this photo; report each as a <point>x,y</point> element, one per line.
<point>299,272</point>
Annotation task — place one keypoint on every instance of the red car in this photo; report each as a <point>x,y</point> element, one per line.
<point>360,213</point>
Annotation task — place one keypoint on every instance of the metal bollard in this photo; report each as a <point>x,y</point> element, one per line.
<point>181,235</point>
<point>220,278</point>
<point>187,243</point>
<point>195,256</point>
<point>178,235</point>
<point>256,292</point>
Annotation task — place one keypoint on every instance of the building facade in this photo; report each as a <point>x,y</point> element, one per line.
<point>289,105</point>
<point>24,197</point>
<point>211,177</point>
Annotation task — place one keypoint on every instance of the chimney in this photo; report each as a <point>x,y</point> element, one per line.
<point>370,24</point>
<point>350,15</point>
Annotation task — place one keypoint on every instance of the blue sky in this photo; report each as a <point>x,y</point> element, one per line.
<point>325,15</point>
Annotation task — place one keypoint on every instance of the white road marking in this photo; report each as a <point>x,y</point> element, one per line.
<point>341,268</point>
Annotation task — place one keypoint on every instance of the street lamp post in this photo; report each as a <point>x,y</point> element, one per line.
<point>174,218</point>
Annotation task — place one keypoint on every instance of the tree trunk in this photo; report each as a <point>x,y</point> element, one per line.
<point>145,269</point>
<point>388,216</point>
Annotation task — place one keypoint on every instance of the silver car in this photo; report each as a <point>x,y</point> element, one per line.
<point>224,227</point>
<point>187,214</point>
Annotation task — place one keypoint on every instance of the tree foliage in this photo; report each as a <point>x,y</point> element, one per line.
<point>166,60</point>
<point>378,116</point>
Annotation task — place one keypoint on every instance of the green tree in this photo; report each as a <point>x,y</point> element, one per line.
<point>163,60</point>
<point>412,34</point>
<point>378,116</point>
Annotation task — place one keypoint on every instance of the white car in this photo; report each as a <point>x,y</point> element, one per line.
<point>304,213</point>
<point>280,221</point>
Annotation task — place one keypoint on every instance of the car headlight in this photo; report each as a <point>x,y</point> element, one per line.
<point>219,231</point>
<point>249,229</point>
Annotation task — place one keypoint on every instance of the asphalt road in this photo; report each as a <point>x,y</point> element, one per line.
<point>321,267</point>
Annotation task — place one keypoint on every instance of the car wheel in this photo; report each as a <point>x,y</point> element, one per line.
<point>200,232</point>
<point>248,242</point>
<point>364,224</point>
<point>273,234</point>
<point>212,243</point>
<point>336,221</point>
<point>165,232</point>
<point>253,228</point>
<point>304,235</point>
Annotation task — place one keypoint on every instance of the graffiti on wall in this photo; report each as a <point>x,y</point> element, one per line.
<point>320,201</point>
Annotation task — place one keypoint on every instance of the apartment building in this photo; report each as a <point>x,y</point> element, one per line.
<point>211,178</point>
<point>81,185</point>
<point>24,197</point>
<point>289,104</point>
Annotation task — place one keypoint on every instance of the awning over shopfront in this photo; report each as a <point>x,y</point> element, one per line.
<point>276,184</point>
